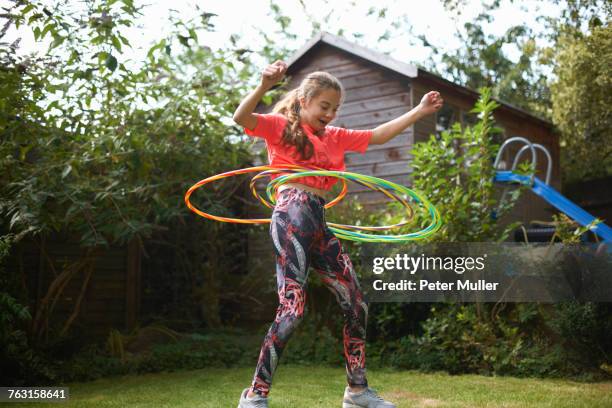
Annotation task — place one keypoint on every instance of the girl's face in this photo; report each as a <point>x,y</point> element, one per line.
<point>320,110</point>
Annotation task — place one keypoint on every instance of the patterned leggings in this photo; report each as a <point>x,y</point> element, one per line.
<point>301,238</point>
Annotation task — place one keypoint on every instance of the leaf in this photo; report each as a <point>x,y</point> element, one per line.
<point>116,43</point>
<point>152,50</point>
<point>23,151</point>
<point>193,34</point>
<point>66,171</point>
<point>267,99</point>
<point>112,185</point>
<point>97,40</point>
<point>111,62</point>
<point>27,9</point>
<point>15,219</point>
<point>157,46</point>
<point>45,30</point>
<point>74,56</point>
<point>36,16</point>
<point>53,105</point>
<point>124,40</point>
<point>183,40</point>
<point>219,71</point>
<point>102,55</point>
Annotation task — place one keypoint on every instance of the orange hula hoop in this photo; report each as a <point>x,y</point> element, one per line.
<point>291,168</point>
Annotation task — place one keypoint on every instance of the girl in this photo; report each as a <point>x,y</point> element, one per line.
<point>298,132</point>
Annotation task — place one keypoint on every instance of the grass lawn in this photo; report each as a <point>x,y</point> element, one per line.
<point>303,386</point>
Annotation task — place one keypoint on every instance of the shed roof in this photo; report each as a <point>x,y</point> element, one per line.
<point>402,68</point>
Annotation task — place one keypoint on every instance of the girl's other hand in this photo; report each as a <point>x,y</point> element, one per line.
<point>273,73</point>
<point>431,102</point>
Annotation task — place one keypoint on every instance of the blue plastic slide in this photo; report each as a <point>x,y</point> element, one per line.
<point>557,200</point>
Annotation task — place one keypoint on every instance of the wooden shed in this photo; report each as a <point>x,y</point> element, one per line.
<point>379,88</point>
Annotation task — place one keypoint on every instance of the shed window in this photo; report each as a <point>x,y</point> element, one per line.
<point>468,119</point>
<point>445,117</point>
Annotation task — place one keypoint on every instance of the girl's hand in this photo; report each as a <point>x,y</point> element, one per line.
<point>431,102</point>
<point>273,74</point>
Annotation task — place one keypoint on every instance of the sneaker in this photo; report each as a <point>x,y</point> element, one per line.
<point>256,402</point>
<point>367,398</point>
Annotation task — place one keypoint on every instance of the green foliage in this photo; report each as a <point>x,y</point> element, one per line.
<point>579,17</point>
<point>522,80</point>
<point>11,318</point>
<point>582,99</point>
<point>568,339</point>
<point>314,342</point>
<point>484,60</point>
<point>187,351</point>
<point>102,149</point>
<point>106,151</point>
<point>118,344</point>
<point>379,29</point>
<point>21,364</point>
<point>569,231</point>
<point>584,329</point>
<point>467,339</point>
<point>455,172</point>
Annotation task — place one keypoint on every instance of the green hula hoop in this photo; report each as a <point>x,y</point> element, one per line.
<point>343,233</point>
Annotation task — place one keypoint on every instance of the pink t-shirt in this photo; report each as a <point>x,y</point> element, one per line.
<point>328,152</point>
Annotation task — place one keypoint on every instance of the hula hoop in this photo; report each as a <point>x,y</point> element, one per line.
<point>389,194</point>
<point>244,171</point>
<point>343,233</point>
<point>285,170</point>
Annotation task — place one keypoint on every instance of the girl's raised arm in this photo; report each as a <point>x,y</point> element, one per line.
<point>431,103</point>
<point>270,76</point>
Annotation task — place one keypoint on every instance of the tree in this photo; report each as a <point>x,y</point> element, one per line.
<point>103,151</point>
<point>455,171</point>
<point>483,60</point>
<point>582,98</point>
<point>569,48</point>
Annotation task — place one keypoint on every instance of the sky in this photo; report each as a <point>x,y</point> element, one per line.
<point>246,17</point>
